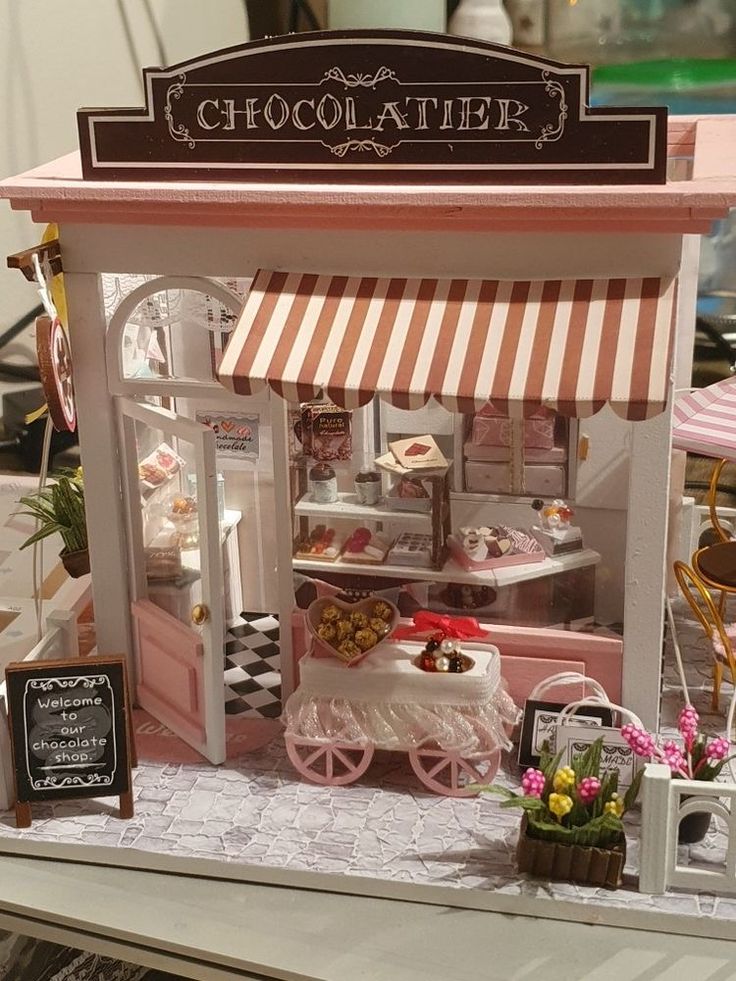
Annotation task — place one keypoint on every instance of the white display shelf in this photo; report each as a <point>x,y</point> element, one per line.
<point>451,572</point>
<point>347,506</point>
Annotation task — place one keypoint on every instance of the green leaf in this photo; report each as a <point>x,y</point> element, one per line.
<point>529,804</point>
<point>633,791</point>
<point>548,763</point>
<point>602,832</point>
<point>43,532</point>
<point>59,507</point>
<point>588,764</point>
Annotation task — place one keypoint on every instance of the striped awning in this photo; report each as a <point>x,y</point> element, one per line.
<point>571,345</point>
<point>705,421</point>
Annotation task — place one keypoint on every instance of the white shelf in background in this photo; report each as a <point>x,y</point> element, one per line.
<point>453,573</point>
<point>347,507</point>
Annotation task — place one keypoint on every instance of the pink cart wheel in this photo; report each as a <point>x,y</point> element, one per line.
<point>452,774</point>
<point>330,764</point>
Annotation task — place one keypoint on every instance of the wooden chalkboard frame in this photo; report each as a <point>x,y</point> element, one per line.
<point>18,676</point>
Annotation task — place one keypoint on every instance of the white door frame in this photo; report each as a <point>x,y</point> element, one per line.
<point>212,631</point>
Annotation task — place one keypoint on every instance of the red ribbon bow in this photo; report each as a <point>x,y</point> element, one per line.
<point>461,628</point>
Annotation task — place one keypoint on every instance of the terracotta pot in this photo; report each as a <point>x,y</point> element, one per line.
<point>693,827</point>
<point>571,863</point>
<point>76,563</point>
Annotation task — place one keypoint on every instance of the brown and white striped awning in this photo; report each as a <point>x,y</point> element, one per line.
<point>571,345</point>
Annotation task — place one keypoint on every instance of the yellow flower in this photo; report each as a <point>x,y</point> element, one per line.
<point>79,474</point>
<point>560,804</point>
<point>564,779</point>
<point>614,806</point>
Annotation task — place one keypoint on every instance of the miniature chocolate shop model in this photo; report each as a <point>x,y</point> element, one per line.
<point>341,307</point>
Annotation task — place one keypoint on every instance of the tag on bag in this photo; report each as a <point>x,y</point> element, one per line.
<point>540,726</point>
<point>616,754</point>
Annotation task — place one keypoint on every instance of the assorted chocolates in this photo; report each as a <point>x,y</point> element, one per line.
<point>443,655</point>
<point>351,633</point>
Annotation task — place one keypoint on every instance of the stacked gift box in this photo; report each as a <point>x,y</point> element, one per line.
<point>488,452</point>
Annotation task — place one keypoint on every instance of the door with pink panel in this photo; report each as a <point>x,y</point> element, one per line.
<point>175,561</point>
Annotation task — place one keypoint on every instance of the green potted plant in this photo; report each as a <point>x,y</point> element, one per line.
<point>59,508</point>
<point>572,828</point>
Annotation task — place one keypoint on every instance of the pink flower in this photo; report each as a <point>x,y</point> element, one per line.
<point>588,789</point>
<point>532,783</point>
<point>717,749</point>
<point>687,723</point>
<point>640,740</point>
<point>674,757</point>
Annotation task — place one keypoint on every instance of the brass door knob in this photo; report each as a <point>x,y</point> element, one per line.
<point>200,614</point>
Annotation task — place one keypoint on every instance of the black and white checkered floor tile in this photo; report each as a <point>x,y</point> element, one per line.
<point>253,667</point>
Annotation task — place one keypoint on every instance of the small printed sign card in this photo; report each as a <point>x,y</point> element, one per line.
<point>237,437</point>
<point>616,753</point>
<point>70,731</point>
<point>540,725</point>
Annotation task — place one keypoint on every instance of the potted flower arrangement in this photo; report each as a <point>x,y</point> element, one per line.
<point>59,508</point>
<point>698,758</point>
<point>572,828</point>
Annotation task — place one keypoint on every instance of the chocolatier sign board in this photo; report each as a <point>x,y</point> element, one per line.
<point>382,106</point>
<point>70,731</point>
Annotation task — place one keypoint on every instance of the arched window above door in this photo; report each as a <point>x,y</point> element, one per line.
<point>166,334</point>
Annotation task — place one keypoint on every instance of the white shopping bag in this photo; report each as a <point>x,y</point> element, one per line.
<point>539,725</point>
<point>616,754</point>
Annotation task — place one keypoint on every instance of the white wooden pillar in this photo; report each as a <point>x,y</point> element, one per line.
<point>65,621</point>
<point>284,543</point>
<point>656,828</point>
<point>645,573</point>
<point>98,441</point>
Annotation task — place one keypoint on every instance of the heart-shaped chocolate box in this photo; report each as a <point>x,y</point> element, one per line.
<point>323,648</point>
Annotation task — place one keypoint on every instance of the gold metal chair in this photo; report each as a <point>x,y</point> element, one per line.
<point>721,635</point>
<point>715,564</point>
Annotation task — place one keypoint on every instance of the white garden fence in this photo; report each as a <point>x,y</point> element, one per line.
<point>664,803</point>
<point>60,641</point>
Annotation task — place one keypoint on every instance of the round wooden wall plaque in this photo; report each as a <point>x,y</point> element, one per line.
<point>55,367</point>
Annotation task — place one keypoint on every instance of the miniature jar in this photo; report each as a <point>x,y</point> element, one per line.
<point>323,484</point>
<point>368,487</point>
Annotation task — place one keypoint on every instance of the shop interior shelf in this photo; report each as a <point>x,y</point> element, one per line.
<point>347,506</point>
<point>451,572</point>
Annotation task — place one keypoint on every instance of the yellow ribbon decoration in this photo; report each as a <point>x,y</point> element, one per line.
<point>58,294</point>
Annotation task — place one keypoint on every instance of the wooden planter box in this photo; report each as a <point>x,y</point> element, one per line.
<point>571,863</point>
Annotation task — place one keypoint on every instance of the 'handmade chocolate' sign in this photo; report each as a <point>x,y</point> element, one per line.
<point>382,105</point>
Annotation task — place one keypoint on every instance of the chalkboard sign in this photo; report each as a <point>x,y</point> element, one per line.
<point>70,731</point>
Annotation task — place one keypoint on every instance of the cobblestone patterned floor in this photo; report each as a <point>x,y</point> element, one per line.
<point>255,810</point>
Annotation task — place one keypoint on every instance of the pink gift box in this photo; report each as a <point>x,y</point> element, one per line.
<point>492,429</point>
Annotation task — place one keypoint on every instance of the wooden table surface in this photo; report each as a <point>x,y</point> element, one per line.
<point>219,931</point>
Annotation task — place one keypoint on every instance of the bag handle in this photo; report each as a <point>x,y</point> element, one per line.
<point>566,679</point>
<point>570,709</point>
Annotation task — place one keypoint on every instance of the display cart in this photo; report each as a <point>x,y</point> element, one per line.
<point>453,726</point>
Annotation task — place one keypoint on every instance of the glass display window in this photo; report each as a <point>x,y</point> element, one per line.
<point>381,502</point>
